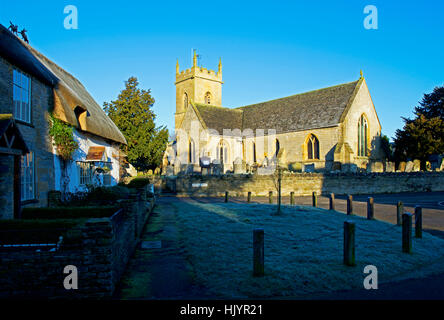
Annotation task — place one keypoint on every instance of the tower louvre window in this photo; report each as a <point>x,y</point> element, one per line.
<point>208,98</point>
<point>185,100</point>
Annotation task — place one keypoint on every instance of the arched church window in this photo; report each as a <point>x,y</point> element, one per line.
<point>362,137</point>
<point>278,147</point>
<point>208,98</point>
<point>254,152</point>
<point>191,152</point>
<point>222,152</point>
<point>185,101</point>
<point>312,148</point>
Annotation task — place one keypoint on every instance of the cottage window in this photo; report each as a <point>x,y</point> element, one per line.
<point>27,178</point>
<point>21,96</point>
<point>362,137</point>
<point>312,148</point>
<point>85,172</point>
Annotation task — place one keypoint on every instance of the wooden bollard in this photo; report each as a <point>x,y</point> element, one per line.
<point>226,196</point>
<point>315,199</point>
<point>349,243</point>
<point>270,197</point>
<point>332,201</point>
<point>350,204</point>
<point>407,232</point>
<point>370,208</point>
<point>418,222</point>
<point>399,212</point>
<point>258,252</point>
<point>249,197</point>
<point>292,198</point>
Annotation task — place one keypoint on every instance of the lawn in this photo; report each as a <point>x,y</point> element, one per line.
<point>303,249</point>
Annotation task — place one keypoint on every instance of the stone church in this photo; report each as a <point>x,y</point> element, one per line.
<point>334,128</point>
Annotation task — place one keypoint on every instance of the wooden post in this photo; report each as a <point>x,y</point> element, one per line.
<point>349,243</point>
<point>258,252</point>
<point>226,196</point>
<point>399,212</point>
<point>332,201</point>
<point>349,204</point>
<point>418,222</point>
<point>270,197</point>
<point>315,199</point>
<point>370,208</point>
<point>407,233</point>
<point>249,197</point>
<point>279,188</point>
<point>292,198</point>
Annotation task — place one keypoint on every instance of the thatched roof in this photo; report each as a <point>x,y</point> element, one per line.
<point>305,111</point>
<point>69,93</point>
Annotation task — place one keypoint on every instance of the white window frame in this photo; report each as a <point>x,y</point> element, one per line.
<point>85,172</point>
<point>27,177</point>
<point>22,109</point>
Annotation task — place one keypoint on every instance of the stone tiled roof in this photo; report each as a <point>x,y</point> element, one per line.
<point>310,110</point>
<point>68,91</point>
<point>220,118</point>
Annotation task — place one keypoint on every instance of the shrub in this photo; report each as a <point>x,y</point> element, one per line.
<point>35,231</point>
<point>139,182</point>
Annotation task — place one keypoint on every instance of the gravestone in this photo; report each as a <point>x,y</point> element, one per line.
<point>376,166</point>
<point>336,166</point>
<point>389,166</point>
<point>416,165</point>
<point>216,167</point>
<point>308,168</point>
<point>409,166</point>
<point>349,168</point>
<point>295,167</point>
<point>239,166</point>
<point>402,166</point>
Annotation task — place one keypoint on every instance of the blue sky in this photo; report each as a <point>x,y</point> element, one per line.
<point>269,49</point>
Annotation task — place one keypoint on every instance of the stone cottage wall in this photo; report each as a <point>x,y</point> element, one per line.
<point>35,133</point>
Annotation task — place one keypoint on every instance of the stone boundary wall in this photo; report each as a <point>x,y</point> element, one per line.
<point>99,248</point>
<point>304,184</point>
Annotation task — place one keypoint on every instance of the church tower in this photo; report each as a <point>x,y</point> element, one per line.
<point>197,85</point>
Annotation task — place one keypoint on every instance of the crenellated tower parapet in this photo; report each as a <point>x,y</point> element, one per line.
<point>198,85</point>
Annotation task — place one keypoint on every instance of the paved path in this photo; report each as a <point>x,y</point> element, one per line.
<point>162,271</point>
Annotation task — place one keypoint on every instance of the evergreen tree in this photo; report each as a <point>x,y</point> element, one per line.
<point>133,115</point>
<point>423,136</point>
